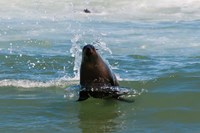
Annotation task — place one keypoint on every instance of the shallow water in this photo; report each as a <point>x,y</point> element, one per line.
<point>159,109</point>
<point>153,48</point>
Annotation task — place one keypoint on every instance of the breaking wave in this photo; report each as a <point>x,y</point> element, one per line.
<point>36,84</point>
<point>110,9</point>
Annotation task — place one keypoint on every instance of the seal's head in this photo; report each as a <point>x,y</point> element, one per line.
<point>89,52</point>
<point>87,10</point>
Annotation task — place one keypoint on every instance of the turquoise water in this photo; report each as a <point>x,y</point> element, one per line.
<point>153,49</point>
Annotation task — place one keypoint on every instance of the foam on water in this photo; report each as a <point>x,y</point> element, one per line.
<point>72,92</point>
<point>151,44</point>
<point>109,10</point>
<point>37,84</point>
<point>32,29</point>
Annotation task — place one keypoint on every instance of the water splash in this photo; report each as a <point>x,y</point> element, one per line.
<point>102,46</point>
<point>72,92</point>
<point>76,53</point>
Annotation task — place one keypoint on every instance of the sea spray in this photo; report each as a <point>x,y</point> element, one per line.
<point>76,53</point>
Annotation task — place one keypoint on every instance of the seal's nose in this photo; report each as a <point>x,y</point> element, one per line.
<point>89,46</point>
<point>88,49</point>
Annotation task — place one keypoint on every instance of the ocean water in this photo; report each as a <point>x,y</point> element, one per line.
<point>153,46</point>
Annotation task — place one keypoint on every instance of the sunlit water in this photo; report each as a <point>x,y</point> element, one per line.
<point>152,46</point>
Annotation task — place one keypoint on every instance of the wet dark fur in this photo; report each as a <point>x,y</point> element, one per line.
<point>96,78</point>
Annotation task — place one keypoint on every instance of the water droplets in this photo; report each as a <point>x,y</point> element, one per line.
<point>76,53</point>
<point>32,65</point>
<point>143,47</point>
<point>72,92</point>
<point>11,48</point>
<point>102,45</point>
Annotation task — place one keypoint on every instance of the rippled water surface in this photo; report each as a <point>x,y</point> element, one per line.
<point>152,46</point>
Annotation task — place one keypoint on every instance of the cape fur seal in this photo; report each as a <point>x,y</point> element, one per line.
<point>96,78</point>
<point>87,10</point>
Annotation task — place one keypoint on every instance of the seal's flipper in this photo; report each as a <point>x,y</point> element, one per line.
<point>83,95</point>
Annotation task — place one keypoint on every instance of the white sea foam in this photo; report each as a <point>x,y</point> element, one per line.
<point>36,84</point>
<point>109,9</point>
